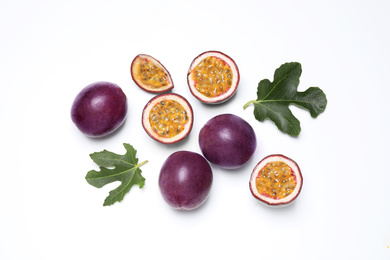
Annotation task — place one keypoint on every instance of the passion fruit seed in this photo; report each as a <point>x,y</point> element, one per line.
<point>212,76</point>
<point>167,118</point>
<point>276,180</point>
<point>151,74</point>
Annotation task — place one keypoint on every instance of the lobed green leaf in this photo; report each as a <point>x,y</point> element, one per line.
<point>115,167</point>
<point>274,98</point>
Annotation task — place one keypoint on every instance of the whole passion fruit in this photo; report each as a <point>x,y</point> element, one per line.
<point>99,109</point>
<point>213,77</point>
<point>227,141</point>
<point>150,75</point>
<point>168,118</point>
<point>276,180</point>
<point>185,180</point>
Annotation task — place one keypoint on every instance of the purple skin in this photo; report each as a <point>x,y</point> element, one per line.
<point>185,180</point>
<point>227,141</point>
<point>99,109</point>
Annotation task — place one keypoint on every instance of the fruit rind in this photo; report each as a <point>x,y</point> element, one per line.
<point>93,111</point>
<point>145,87</point>
<point>168,96</point>
<point>223,97</point>
<point>270,201</point>
<point>185,180</point>
<point>227,141</point>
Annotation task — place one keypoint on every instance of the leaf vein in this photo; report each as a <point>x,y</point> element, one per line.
<point>278,113</point>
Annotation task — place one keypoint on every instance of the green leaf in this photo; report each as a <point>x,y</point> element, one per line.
<point>114,167</point>
<point>274,98</point>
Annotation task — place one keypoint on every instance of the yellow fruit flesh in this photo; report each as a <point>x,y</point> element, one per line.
<point>167,118</point>
<point>150,74</point>
<point>276,180</point>
<point>212,76</point>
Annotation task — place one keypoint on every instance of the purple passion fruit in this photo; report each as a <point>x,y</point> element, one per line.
<point>276,180</point>
<point>213,77</point>
<point>150,75</point>
<point>185,180</point>
<point>99,109</point>
<point>227,141</point>
<point>167,118</point>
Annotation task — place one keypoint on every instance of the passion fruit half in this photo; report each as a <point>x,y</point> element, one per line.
<point>213,77</point>
<point>276,180</point>
<point>168,118</point>
<point>150,75</point>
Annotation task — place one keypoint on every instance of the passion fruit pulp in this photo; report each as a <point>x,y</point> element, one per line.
<point>150,75</point>
<point>185,180</point>
<point>276,180</point>
<point>213,77</point>
<point>227,141</point>
<point>168,118</point>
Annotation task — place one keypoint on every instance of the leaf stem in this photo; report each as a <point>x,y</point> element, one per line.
<point>248,103</point>
<point>140,164</point>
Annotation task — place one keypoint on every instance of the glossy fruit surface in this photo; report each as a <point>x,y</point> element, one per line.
<point>99,109</point>
<point>168,118</point>
<point>185,180</point>
<point>150,75</point>
<point>276,180</point>
<point>227,141</point>
<point>213,77</point>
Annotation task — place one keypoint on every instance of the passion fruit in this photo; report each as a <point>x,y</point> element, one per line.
<point>213,77</point>
<point>276,180</point>
<point>99,109</point>
<point>150,75</point>
<point>227,141</point>
<point>168,118</point>
<point>185,180</point>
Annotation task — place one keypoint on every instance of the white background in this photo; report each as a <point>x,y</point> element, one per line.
<point>51,50</point>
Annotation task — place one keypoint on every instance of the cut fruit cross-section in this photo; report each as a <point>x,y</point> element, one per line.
<point>213,77</point>
<point>150,75</point>
<point>167,118</point>
<point>276,180</point>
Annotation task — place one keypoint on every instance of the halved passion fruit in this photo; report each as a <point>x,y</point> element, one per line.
<point>213,77</point>
<point>276,180</point>
<point>168,118</point>
<point>150,75</point>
